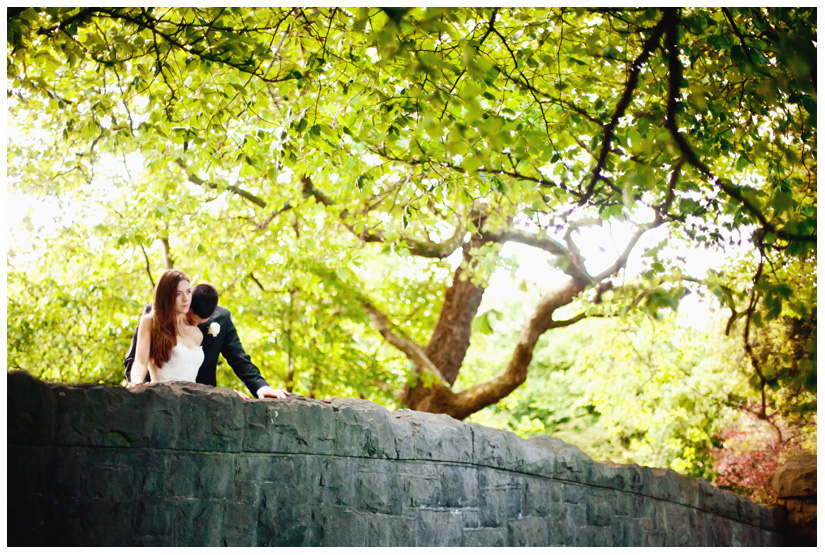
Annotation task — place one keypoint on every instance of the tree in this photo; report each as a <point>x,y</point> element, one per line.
<point>321,144</point>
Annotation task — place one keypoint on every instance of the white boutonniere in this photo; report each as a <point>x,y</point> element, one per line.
<point>214,329</point>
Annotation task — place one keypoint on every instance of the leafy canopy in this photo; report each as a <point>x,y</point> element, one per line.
<point>329,169</point>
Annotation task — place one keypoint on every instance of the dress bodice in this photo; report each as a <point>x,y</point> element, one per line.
<point>183,365</point>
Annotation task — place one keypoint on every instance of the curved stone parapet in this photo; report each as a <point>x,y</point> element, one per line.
<point>191,465</point>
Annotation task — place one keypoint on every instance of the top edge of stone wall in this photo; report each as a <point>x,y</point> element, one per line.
<point>193,417</point>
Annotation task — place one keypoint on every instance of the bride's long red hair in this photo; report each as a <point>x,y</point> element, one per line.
<point>164,320</point>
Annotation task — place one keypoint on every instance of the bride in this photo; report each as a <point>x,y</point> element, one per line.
<point>168,343</point>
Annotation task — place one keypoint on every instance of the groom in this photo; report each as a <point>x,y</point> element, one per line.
<point>219,338</point>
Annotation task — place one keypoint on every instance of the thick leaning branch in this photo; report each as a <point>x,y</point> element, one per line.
<point>491,390</point>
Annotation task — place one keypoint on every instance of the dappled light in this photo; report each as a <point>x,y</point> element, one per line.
<point>596,224</point>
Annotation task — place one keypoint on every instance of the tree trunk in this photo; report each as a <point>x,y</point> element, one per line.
<point>451,337</point>
<point>441,399</point>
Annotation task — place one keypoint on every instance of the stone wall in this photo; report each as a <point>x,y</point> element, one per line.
<point>185,464</point>
<point>795,487</point>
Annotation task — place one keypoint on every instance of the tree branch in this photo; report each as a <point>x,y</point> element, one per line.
<point>427,249</point>
<point>675,76</point>
<point>493,389</point>
<point>575,267</point>
<point>167,254</point>
<point>657,221</point>
<point>234,188</point>
<point>82,14</point>
<point>411,349</point>
<point>624,102</point>
<point>148,266</point>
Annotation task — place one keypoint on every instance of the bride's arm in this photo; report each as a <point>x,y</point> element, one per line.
<point>144,341</point>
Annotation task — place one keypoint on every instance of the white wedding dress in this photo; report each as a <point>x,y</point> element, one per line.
<point>183,365</point>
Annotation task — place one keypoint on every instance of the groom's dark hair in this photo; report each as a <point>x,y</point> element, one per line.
<point>204,300</point>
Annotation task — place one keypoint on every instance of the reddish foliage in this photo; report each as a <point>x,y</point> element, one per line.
<point>752,452</point>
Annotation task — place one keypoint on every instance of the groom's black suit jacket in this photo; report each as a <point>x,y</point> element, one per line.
<point>227,343</point>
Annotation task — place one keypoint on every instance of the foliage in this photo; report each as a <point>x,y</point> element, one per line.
<point>348,179</point>
<point>753,450</point>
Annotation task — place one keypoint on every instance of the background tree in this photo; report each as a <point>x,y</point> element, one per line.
<point>338,173</point>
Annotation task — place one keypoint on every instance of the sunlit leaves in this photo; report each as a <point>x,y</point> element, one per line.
<point>407,120</point>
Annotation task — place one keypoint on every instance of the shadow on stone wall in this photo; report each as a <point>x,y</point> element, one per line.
<point>191,465</point>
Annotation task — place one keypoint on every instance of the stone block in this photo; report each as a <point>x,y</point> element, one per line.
<point>293,425</point>
<point>29,470</point>
<point>366,429</point>
<point>285,469</point>
<point>79,426</point>
<point>201,475</point>
<point>438,527</point>
<point>531,457</point>
<point>620,477</point>
<point>337,484</point>
<point>560,529</point>
<point>421,485</point>
<point>150,470</point>
<point>687,492</point>
<point>679,524</point>
<point>153,522</point>
<point>107,475</point>
<point>31,410</point>
<point>653,532</point>
<point>576,517</point>
<point>601,507</point>
<point>496,500</point>
<point>622,503</point>
<point>528,531</point>
<point>459,486</point>
<point>507,451</point>
<point>489,446</point>
<point>484,537</point>
<point>69,473</point>
<point>212,418</point>
<point>29,521</point>
<point>771,518</point>
<point>470,517</point>
<point>99,524</point>
<point>391,531</point>
<point>642,506</point>
<point>198,522</point>
<point>537,496</point>
<point>725,504</point>
<point>748,511</point>
<point>593,536</point>
<point>377,488</point>
<point>334,526</point>
<point>438,437</point>
<point>147,416</point>
<point>284,515</point>
<point>569,462</point>
<point>796,478</point>
<point>719,532</point>
<point>626,532</point>
<point>239,525</point>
